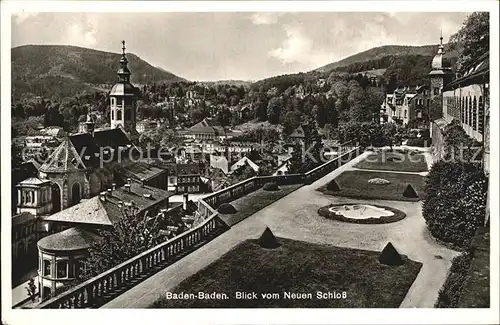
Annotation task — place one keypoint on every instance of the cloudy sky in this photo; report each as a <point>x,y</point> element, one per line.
<point>247,46</point>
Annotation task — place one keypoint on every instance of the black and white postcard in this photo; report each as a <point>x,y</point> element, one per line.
<point>253,162</point>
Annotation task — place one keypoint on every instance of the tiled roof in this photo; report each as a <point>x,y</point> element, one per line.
<point>64,159</point>
<point>111,137</point>
<point>71,239</point>
<point>33,181</point>
<point>245,161</point>
<point>480,68</point>
<point>123,89</point>
<point>139,171</point>
<point>22,218</point>
<point>107,212</point>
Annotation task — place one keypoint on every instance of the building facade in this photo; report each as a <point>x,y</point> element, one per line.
<point>466,100</point>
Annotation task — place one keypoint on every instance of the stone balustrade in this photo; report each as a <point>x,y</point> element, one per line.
<point>93,292</point>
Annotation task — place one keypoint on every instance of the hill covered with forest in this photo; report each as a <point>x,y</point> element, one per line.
<point>63,70</point>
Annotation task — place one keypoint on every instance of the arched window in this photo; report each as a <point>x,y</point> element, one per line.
<point>462,117</point>
<point>474,114</point>
<point>480,115</point>
<point>75,193</point>
<point>470,110</point>
<point>466,119</point>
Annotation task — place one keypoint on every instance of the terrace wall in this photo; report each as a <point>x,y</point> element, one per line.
<point>95,292</point>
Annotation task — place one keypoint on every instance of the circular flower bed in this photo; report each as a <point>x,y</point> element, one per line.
<point>329,212</point>
<point>379,181</point>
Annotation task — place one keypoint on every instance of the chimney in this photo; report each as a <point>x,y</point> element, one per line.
<point>163,212</point>
<point>185,200</point>
<point>113,186</point>
<point>127,188</point>
<point>102,196</point>
<point>110,192</point>
<point>129,180</point>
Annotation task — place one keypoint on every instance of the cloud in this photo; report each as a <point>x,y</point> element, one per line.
<point>80,35</point>
<point>22,16</point>
<point>265,18</point>
<point>298,48</point>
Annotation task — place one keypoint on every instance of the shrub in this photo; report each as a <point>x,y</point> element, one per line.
<point>410,192</point>
<point>390,256</point>
<point>333,186</point>
<point>267,240</point>
<point>226,208</point>
<point>271,186</point>
<point>454,201</point>
<point>451,291</point>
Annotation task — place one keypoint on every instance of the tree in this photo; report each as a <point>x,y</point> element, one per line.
<point>53,117</point>
<point>292,121</point>
<point>296,162</point>
<point>472,40</point>
<point>274,109</point>
<point>392,133</point>
<point>133,234</point>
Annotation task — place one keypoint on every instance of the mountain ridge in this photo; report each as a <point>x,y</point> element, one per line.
<point>386,50</point>
<point>66,70</point>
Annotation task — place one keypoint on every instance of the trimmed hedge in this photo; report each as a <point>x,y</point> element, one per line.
<point>226,208</point>
<point>454,201</point>
<point>451,291</point>
<point>398,215</point>
<point>271,186</point>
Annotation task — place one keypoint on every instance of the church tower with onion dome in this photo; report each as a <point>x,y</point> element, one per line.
<point>441,73</point>
<point>123,98</point>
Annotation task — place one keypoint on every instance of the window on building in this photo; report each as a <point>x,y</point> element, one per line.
<point>436,90</point>
<point>480,115</point>
<point>474,114</point>
<point>406,113</point>
<point>113,101</point>
<point>46,268</point>
<point>62,269</point>
<point>470,111</point>
<point>462,111</point>
<point>118,115</point>
<point>112,114</point>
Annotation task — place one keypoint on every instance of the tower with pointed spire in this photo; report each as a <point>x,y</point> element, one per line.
<point>123,98</point>
<point>440,74</point>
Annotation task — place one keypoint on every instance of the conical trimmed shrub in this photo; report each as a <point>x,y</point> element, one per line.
<point>390,256</point>
<point>267,240</point>
<point>271,186</point>
<point>333,186</point>
<point>410,192</point>
<point>226,208</point>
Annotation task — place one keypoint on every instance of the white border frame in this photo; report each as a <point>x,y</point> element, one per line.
<point>246,316</point>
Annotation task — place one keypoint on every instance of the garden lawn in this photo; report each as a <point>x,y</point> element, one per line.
<point>355,184</point>
<point>297,267</point>
<point>408,163</point>
<point>255,201</point>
